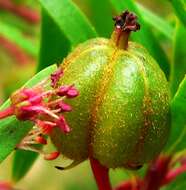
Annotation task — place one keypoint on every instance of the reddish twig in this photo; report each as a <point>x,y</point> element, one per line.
<point>156,173</point>
<point>26,13</point>
<point>5,186</point>
<point>5,113</point>
<point>172,174</point>
<point>15,51</point>
<point>130,185</point>
<point>101,175</point>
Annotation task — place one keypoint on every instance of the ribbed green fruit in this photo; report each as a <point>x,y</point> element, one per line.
<point>121,116</point>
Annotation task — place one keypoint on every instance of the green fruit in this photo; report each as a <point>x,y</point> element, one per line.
<point>121,117</point>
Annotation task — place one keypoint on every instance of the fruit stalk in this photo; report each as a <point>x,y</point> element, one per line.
<point>124,24</point>
<point>101,175</point>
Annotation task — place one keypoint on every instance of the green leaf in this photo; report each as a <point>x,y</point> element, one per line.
<point>54,44</point>
<point>177,137</point>
<point>180,9</point>
<point>13,130</point>
<point>145,35</point>
<point>100,16</point>
<point>156,21</point>
<point>70,20</point>
<point>178,69</point>
<point>14,35</point>
<point>18,23</point>
<point>22,162</point>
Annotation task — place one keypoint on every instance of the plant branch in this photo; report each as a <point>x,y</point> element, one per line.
<point>101,175</point>
<point>20,10</point>
<point>15,51</point>
<point>7,112</point>
<point>171,175</point>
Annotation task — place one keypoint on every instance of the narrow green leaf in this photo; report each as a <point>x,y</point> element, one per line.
<point>54,45</point>
<point>100,15</point>
<point>145,35</point>
<point>70,20</point>
<point>178,69</point>
<point>156,21</point>
<point>15,35</point>
<point>22,162</point>
<point>180,9</point>
<point>12,130</point>
<point>18,23</point>
<point>177,137</point>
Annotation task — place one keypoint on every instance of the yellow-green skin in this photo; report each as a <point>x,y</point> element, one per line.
<point>121,116</point>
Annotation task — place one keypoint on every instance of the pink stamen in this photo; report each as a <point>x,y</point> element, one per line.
<point>65,107</point>
<point>44,108</point>
<point>55,77</point>
<point>40,110</point>
<point>62,91</point>
<point>51,156</point>
<point>62,124</point>
<point>72,92</point>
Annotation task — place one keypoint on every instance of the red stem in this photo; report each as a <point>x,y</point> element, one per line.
<point>20,10</point>
<point>101,175</point>
<point>156,173</point>
<point>171,175</point>
<point>5,186</point>
<point>14,50</point>
<point>130,185</point>
<point>7,112</point>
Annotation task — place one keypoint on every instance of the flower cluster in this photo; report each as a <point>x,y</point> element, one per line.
<point>44,107</point>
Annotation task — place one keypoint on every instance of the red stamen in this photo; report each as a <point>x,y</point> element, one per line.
<point>51,156</point>
<point>46,126</point>
<point>41,140</point>
<point>101,175</point>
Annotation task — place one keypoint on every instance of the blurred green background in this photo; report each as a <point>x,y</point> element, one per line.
<point>18,62</point>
